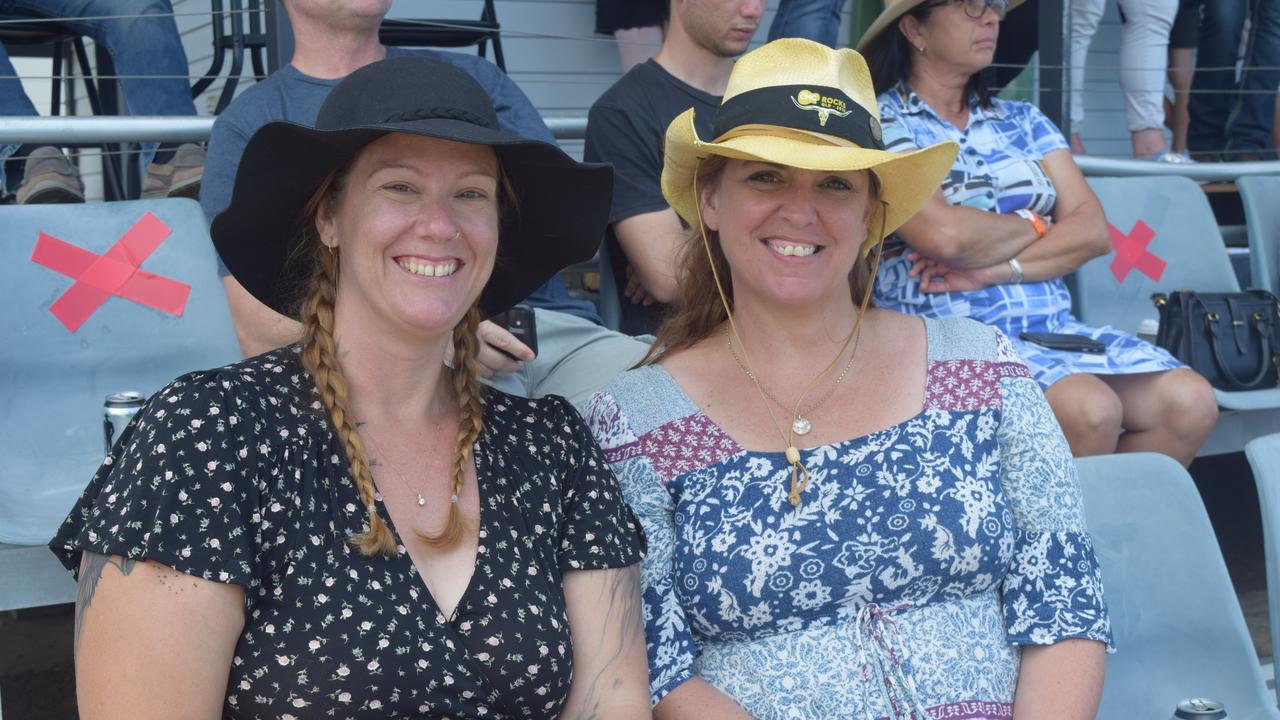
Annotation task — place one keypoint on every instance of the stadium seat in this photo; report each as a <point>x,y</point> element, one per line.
<point>1179,632</point>
<point>1185,238</point>
<point>53,379</point>
<point>1264,457</point>
<point>1261,198</point>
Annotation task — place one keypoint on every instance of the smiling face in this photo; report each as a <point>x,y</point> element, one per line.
<point>952,39</point>
<point>790,236</point>
<point>416,223</point>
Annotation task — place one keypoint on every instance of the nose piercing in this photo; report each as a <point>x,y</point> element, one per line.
<point>457,234</point>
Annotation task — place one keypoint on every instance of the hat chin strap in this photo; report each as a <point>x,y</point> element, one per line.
<point>799,473</point>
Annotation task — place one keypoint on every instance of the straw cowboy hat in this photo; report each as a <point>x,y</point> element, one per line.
<point>799,103</point>
<point>894,9</point>
<point>563,204</point>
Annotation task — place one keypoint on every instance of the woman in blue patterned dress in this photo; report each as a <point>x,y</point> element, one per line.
<point>851,513</point>
<point>1011,219</point>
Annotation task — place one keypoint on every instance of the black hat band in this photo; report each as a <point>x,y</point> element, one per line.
<point>814,108</point>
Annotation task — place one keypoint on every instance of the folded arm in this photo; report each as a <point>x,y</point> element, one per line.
<point>650,241</point>
<point>952,258</point>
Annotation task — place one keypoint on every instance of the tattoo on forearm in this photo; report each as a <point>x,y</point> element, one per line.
<point>91,566</point>
<point>620,594</point>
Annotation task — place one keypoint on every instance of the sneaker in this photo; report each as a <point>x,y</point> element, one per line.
<point>50,178</point>
<point>179,177</point>
<point>1173,158</point>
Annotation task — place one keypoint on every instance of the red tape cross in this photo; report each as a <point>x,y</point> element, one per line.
<point>1131,252</point>
<point>115,272</point>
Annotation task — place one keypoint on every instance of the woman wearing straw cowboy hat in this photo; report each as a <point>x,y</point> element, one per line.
<point>1011,219</point>
<point>347,528</point>
<point>850,512</point>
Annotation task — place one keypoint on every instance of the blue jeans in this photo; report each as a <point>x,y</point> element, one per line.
<point>139,46</point>
<point>817,20</point>
<point>1226,113</point>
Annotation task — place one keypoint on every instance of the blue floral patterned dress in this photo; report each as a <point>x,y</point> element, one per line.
<point>998,169</point>
<point>922,556</point>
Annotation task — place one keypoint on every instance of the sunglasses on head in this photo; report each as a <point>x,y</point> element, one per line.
<point>976,8</point>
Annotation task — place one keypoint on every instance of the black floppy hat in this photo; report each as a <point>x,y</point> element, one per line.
<point>563,205</point>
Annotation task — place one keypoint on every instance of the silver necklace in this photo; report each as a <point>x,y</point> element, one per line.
<point>799,424</point>
<point>421,499</point>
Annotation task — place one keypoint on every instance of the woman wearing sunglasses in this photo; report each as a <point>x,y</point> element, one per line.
<point>1011,219</point>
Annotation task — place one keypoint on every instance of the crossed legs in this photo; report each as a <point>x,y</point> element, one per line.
<point>1168,412</point>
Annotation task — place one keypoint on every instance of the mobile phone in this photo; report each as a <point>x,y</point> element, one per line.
<point>1069,343</point>
<point>519,321</point>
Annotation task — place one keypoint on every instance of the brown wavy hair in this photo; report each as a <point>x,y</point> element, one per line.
<point>698,311</point>
<point>319,357</point>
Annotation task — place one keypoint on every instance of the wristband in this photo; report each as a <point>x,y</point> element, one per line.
<point>1036,221</point>
<point>1016,267</point>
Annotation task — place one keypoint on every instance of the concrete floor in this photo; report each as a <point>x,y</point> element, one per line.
<point>37,680</point>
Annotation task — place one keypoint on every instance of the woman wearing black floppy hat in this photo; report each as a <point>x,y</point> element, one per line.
<point>349,528</point>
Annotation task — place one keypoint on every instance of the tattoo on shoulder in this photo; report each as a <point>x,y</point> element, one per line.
<point>624,628</point>
<point>91,566</point>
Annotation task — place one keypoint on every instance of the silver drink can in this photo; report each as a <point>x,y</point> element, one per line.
<point>117,410</point>
<point>1200,709</point>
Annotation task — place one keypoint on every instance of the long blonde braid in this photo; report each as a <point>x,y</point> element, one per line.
<point>320,358</point>
<point>467,388</point>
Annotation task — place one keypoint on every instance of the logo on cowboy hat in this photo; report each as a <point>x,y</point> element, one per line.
<point>824,105</point>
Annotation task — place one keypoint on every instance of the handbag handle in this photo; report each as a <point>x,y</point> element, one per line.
<point>1211,321</point>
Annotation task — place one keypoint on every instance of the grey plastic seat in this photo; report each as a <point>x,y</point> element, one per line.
<point>1264,458</point>
<point>53,381</point>
<point>1187,239</point>
<point>1179,632</point>
<point>1260,196</point>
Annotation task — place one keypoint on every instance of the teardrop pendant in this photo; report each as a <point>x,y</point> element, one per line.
<point>421,500</point>
<point>800,426</point>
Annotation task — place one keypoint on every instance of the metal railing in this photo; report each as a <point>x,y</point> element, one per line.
<point>96,130</point>
<point>93,130</point>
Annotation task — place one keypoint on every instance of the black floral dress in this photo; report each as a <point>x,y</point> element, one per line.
<point>234,475</point>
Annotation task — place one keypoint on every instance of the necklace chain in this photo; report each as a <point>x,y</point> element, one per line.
<point>800,424</point>
<point>420,499</point>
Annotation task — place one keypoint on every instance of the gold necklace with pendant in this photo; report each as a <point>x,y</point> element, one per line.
<point>799,424</point>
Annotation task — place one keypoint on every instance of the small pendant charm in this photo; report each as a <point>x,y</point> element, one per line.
<point>421,500</point>
<point>801,426</point>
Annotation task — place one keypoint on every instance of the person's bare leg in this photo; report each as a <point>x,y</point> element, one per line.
<point>1089,413</point>
<point>1147,142</point>
<point>1181,71</point>
<point>635,45</point>
<point>1168,412</point>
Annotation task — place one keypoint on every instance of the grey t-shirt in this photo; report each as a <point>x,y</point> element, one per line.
<point>289,95</point>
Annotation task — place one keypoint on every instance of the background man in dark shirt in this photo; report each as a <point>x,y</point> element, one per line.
<point>626,127</point>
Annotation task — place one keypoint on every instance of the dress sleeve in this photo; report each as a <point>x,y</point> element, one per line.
<point>180,488</point>
<point>1053,589</point>
<point>598,530</point>
<point>668,636</point>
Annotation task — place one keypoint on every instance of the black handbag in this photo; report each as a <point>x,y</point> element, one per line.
<point>1232,339</point>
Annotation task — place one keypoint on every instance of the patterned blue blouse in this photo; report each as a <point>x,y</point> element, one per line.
<point>921,556</point>
<point>999,169</point>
